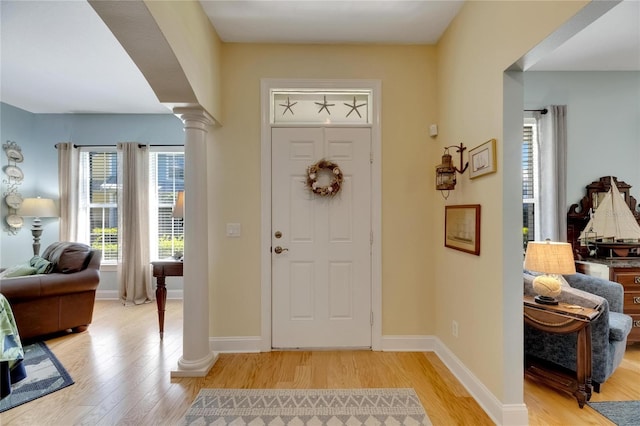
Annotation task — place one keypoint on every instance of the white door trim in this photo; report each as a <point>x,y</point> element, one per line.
<point>266,85</point>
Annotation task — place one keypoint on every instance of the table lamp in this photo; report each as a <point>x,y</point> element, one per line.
<point>552,259</point>
<point>37,208</point>
<point>178,208</point>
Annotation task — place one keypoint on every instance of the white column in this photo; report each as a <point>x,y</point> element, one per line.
<point>197,357</point>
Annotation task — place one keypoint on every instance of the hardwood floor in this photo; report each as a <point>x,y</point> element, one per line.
<point>122,376</point>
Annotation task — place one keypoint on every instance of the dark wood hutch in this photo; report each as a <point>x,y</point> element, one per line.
<point>624,270</point>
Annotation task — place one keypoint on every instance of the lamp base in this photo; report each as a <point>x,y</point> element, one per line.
<point>36,232</point>
<point>545,300</point>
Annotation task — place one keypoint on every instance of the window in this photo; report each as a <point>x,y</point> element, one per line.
<point>167,179</point>
<point>98,202</point>
<point>529,180</point>
<point>321,106</point>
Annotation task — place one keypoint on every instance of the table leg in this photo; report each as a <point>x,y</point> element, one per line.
<point>581,367</point>
<point>161,300</point>
<point>588,366</point>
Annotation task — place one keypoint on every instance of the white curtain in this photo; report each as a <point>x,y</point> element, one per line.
<point>68,182</point>
<point>134,269</point>
<point>552,173</point>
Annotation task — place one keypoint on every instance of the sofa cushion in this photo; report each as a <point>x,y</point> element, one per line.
<point>18,271</point>
<point>42,265</point>
<point>619,326</point>
<point>68,257</point>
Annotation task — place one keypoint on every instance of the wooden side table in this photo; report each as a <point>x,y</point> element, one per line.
<point>162,269</point>
<point>563,319</point>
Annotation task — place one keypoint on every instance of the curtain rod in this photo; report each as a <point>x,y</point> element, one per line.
<point>541,111</point>
<point>111,146</point>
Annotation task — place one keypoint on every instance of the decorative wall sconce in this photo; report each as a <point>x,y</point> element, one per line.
<point>446,172</point>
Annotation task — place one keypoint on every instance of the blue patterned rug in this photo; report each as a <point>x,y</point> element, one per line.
<point>622,413</point>
<point>306,407</point>
<point>45,375</point>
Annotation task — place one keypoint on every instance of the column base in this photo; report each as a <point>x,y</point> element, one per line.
<point>198,368</point>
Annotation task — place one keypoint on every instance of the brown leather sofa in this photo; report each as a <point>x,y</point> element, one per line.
<point>60,300</point>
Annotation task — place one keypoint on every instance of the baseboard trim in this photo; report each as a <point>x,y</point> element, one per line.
<point>113,294</point>
<point>107,295</point>
<point>248,344</point>
<point>501,414</point>
<point>408,343</point>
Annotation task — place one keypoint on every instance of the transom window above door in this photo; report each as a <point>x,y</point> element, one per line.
<point>321,107</point>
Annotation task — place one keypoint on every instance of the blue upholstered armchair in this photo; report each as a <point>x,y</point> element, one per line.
<point>608,332</point>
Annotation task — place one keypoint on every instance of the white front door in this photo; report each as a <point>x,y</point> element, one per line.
<point>321,280</point>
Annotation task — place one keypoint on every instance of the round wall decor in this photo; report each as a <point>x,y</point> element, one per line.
<point>15,221</point>
<point>329,168</point>
<point>13,200</point>
<point>13,179</point>
<point>14,155</point>
<point>14,172</point>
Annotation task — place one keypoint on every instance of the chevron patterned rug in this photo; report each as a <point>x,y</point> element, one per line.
<point>313,407</point>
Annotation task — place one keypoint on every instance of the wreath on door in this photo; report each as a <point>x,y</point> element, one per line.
<point>324,167</point>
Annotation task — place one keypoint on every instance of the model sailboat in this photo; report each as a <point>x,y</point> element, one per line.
<point>613,226</point>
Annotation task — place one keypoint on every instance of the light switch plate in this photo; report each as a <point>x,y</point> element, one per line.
<point>233,230</point>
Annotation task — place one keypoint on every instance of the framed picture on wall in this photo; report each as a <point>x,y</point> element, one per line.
<point>483,159</point>
<point>462,228</point>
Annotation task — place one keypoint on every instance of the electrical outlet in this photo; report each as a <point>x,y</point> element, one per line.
<point>454,328</point>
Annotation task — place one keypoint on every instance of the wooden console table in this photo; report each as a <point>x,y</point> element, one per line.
<point>563,319</point>
<point>162,269</point>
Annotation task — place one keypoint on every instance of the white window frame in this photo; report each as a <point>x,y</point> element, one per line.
<point>533,123</point>
<point>84,230</point>
<point>153,199</point>
<point>84,204</point>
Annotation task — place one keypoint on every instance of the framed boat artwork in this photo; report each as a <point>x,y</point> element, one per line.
<point>483,159</point>
<point>462,228</point>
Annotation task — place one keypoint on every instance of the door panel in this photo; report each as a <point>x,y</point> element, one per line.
<point>321,281</point>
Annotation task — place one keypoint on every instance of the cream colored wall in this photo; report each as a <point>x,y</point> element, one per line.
<point>458,85</point>
<point>485,39</point>
<point>197,46</point>
<point>408,107</point>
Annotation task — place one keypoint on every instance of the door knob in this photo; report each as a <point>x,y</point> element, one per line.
<point>279,249</point>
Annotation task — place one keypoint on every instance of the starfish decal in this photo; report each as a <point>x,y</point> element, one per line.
<point>288,106</point>
<point>324,105</point>
<point>354,107</point>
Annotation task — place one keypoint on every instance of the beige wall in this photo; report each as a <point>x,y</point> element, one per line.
<point>408,107</point>
<point>196,46</point>
<point>458,85</point>
<point>483,41</point>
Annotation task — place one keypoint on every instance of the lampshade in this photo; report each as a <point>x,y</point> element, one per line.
<point>178,208</point>
<point>38,207</point>
<point>550,258</point>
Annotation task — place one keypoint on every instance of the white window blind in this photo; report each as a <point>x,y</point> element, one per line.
<point>529,180</point>
<point>99,202</point>
<point>167,179</point>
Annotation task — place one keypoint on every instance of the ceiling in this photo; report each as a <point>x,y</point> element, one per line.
<point>59,57</point>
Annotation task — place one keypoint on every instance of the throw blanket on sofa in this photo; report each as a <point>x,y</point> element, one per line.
<point>11,353</point>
